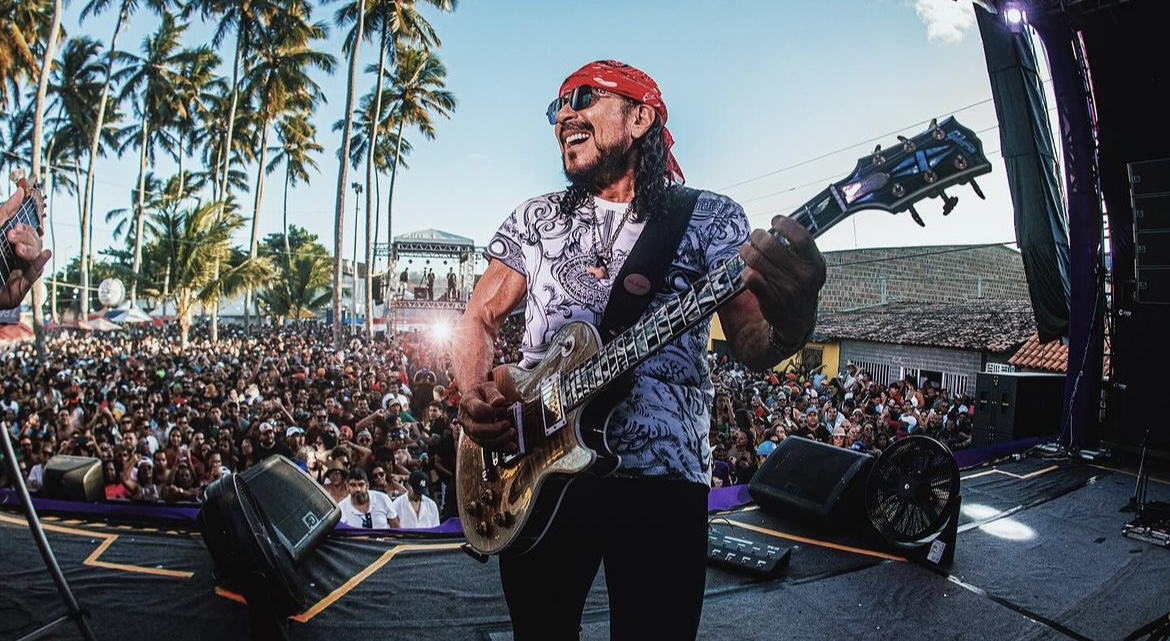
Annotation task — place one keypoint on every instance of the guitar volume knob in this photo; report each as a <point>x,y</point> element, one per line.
<point>471,507</point>
<point>502,519</point>
<point>487,496</point>
<point>482,528</point>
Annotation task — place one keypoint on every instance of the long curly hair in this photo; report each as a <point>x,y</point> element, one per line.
<point>652,183</point>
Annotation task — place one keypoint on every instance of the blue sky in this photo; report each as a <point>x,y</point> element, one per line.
<point>769,101</point>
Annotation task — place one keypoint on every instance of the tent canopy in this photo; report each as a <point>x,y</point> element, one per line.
<point>129,315</point>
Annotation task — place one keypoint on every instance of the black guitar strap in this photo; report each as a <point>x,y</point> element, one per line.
<point>641,275</point>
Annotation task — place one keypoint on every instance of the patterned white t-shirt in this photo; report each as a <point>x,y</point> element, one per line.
<point>661,428</point>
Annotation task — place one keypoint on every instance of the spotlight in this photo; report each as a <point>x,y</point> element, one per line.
<point>1015,16</point>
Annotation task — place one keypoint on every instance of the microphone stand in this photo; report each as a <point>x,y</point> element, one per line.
<point>34,525</point>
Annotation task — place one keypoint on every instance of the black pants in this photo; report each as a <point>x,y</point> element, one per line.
<point>652,536</point>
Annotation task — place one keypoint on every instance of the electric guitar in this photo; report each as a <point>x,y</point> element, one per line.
<point>507,501</point>
<point>30,212</point>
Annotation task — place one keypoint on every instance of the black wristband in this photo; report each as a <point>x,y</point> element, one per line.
<point>782,348</point>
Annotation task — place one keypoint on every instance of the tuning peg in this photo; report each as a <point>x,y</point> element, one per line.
<point>916,217</point>
<point>949,203</point>
<point>907,144</point>
<point>978,191</point>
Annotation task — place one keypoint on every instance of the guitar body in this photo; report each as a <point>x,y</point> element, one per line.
<point>508,501</point>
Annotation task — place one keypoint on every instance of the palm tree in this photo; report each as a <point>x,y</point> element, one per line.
<point>298,144</point>
<point>24,26</point>
<point>302,283</point>
<point>396,22</point>
<point>197,241</point>
<point>246,19</point>
<point>125,10</point>
<point>76,88</point>
<point>154,79</point>
<point>38,136</point>
<point>197,84</point>
<point>374,144</point>
<point>280,83</point>
<point>417,89</point>
<point>355,13</point>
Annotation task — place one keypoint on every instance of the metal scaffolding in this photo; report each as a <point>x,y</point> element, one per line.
<point>451,261</point>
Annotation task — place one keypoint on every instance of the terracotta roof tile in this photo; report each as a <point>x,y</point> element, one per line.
<point>1048,357</point>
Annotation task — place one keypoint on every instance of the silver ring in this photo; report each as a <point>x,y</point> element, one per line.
<point>781,238</point>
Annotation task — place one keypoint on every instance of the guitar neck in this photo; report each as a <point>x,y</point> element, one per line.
<point>29,214</point>
<point>682,311</point>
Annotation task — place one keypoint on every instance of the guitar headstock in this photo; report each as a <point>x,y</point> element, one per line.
<point>894,178</point>
<point>32,208</point>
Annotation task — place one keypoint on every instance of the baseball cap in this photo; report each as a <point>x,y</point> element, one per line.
<point>419,482</point>
<point>293,430</point>
<point>766,447</point>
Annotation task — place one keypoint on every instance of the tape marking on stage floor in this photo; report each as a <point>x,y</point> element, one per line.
<point>93,559</point>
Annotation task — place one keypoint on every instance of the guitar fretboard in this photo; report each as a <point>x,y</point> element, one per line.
<point>28,215</point>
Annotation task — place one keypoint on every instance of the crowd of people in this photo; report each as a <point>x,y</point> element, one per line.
<point>378,418</point>
<point>755,411</point>
<point>166,422</point>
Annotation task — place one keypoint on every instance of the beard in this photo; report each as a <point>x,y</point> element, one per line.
<point>611,163</point>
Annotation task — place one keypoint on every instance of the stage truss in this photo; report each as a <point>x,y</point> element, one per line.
<point>411,304</point>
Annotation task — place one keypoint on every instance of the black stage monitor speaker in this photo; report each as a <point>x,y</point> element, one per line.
<point>1015,405</point>
<point>76,478</point>
<point>298,507</point>
<point>812,478</point>
<point>257,525</point>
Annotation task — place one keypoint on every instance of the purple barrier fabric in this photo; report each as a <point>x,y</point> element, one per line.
<point>728,498</point>
<point>162,512</point>
<point>976,456</point>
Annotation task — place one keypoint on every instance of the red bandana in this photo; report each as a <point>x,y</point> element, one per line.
<point>632,83</point>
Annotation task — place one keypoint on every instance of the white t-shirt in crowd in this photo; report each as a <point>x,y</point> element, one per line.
<point>428,512</point>
<point>381,512</point>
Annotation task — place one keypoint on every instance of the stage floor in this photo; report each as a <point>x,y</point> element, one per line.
<point>1040,554</point>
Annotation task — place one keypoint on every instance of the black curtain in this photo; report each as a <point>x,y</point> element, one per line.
<point>1027,149</point>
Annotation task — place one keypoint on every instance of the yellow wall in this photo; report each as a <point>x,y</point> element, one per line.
<point>830,352</point>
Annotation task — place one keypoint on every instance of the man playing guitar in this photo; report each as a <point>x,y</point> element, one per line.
<point>559,254</point>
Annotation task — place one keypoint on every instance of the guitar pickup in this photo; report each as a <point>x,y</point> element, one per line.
<point>517,420</point>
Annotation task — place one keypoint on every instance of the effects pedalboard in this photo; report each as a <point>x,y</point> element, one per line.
<point>757,559</point>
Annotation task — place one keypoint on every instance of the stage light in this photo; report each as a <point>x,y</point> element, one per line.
<point>1015,16</point>
<point>441,331</point>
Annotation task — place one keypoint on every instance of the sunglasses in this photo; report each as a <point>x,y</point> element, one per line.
<point>580,98</point>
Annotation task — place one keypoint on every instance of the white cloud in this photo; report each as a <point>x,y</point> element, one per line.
<point>946,20</point>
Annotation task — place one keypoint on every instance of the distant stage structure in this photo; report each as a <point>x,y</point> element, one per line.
<point>431,276</point>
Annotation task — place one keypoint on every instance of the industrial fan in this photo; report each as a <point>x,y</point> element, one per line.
<point>912,496</point>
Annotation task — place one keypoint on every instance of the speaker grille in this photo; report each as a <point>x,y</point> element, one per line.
<point>810,477</point>
<point>300,511</point>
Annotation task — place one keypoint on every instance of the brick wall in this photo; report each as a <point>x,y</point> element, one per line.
<point>863,277</point>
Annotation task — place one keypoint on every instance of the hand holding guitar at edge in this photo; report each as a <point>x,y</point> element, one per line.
<point>27,248</point>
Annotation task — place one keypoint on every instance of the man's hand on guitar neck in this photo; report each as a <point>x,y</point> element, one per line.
<point>27,247</point>
<point>785,271</point>
<point>487,419</point>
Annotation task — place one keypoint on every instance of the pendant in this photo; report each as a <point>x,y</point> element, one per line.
<point>598,270</point>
